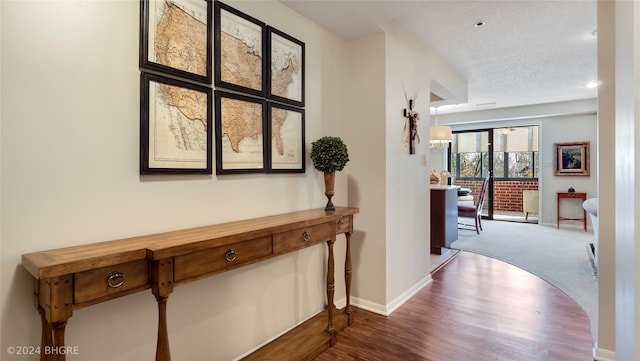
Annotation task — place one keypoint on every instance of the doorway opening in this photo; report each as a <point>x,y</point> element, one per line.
<point>513,165</point>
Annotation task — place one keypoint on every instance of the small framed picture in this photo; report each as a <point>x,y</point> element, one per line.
<point>175,38</point>
<point>175,126</point>
<point>286,137</point>
<point>571,158</point>
<point>240,40</point>
<point>286,68</point>
<point>241,144</point>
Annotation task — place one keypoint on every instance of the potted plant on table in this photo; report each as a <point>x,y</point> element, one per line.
<point>329,154</point>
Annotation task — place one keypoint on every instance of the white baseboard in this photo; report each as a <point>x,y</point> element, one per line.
<point>567,225</point>
<point>386,310</point>
<point>600,354</point>
<point>406,295</point>
<point>369,306</point>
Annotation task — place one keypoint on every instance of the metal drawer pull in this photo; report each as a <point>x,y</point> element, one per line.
<point>340,224</point>
<point>115,280</point>
<point>231,255</point>
<point>306,236</point>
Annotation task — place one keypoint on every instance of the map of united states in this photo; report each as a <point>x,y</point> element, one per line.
<point>242,65</point>
<point>180,42</point>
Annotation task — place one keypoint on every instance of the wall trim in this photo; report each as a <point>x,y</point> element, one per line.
<point>386,310</point>
<point>600,354</point>
<point>369,306</point>
<point>573,225</point>
<point>406,295</point>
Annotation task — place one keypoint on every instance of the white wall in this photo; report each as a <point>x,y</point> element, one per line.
<point>70,143</point>
<point>394,213</point>
<point>410,70</point>
<point>558,122</point>
<point>627,176</point>
<point>606,340</point>
<point>366,121</point>
<point>407,188</point>
<point>558,130</point>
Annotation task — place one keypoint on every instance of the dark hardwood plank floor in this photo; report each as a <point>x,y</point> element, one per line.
<point>476,309</point>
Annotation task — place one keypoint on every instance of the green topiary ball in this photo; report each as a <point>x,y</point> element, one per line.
<point>329,154</point>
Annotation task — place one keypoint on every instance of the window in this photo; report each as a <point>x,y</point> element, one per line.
<point>515,154</point>
<point>470,155</point>
<point>518,150</point>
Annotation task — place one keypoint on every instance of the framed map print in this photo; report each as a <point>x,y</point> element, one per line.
<point>285,81</point>
<point>175,126</point>
<point>175,38</point>
<point>239,51</point>
<point>240,134</point>
<point>286,132</point>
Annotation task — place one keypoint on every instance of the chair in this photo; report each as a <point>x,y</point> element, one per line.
<point>529,202</point>
<point>474,211</point>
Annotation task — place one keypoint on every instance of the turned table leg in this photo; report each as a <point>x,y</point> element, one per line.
<point>330,290</point>
<point>52,343</point>
<point>47,334</point>
<point>58,351</point>
<point>52,346</point>
<point>162,286</point>
<point>54,300</point>
<point>162,348</point>
<point>347,278</point>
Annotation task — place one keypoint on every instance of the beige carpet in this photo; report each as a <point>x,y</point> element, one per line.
<point>557,256</point>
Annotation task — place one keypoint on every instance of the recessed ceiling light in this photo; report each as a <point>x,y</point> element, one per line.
<point>479,24</point>
<point>592,84</point>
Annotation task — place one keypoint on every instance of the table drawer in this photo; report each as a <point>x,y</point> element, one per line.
<point>303,237</point>
<point>110,281</point>
<point>580,195</point>
<point>343,225</point>
<point>208,261</point>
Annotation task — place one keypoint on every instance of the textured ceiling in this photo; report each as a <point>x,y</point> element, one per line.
<point>527,52</point>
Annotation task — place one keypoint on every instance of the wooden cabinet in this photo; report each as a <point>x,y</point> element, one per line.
<point>75,277</point>
<point>444,217</point>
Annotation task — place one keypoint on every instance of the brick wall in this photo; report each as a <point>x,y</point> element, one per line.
<point>507,194</point>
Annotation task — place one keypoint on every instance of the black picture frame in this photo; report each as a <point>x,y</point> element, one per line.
<point>282,45</point>
<point>287,148</point>
<point>198,66</point>
<point>246,116</point>
<point>174,138</point>
<point>244,35</point>
<point>571,158</point>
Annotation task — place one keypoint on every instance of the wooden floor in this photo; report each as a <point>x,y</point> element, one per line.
<point>476,309</point>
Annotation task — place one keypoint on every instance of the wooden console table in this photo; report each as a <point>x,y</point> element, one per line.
<point>71,278</point>
<point>572,195</point>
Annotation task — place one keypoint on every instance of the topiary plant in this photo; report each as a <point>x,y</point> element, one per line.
<point>329,154</point>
